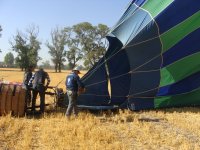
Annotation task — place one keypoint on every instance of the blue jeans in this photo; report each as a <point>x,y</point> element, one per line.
<point>72,96</point>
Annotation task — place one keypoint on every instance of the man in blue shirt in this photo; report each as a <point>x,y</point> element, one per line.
<point>73,84</point>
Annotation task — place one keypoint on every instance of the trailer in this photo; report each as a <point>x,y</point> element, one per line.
<point>13,98</point>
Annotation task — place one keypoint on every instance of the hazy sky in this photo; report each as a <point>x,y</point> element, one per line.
<point>47,14</point>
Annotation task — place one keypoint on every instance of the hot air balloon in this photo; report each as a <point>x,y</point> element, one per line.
<point>153,59</point>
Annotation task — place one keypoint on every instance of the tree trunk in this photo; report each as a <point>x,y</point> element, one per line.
<point>59,67</point>
<point>74,64</point>
<point>56,67</point>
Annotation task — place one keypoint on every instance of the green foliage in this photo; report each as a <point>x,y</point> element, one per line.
<point>46,64</point>
<point>21,48</point>
<point>86,42</point>
<point>9,59</point>
<point>26,47</point>
<point>57,48</point>
<point>73,56</point>
<point>34,46</point>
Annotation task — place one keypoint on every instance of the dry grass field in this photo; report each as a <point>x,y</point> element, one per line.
<point>166,129</point>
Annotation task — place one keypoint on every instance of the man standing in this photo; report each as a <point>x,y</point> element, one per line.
<point>27,76</point>
<point>39,86</point>
<point>73,83</point>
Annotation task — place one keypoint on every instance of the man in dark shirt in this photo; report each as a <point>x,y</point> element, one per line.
<point>39,86</point>
<point>27,76</point>
<point>73,83</point>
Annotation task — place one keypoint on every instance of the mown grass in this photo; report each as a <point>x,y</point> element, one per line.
<point>176,128</point>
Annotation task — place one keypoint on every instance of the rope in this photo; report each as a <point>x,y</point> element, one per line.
<point>128,40</point>
<point>98,66</point>
<point>96,83</point>
<point>115,77</point>
<point>132,71</point>
<point>112,55</point>
<point>90,94</point>
<point>119,96</point>
<point>133,95</point>
<point>128,96</point>
<point>146,71</point>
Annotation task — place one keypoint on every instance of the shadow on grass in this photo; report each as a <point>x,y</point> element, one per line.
<point>110,113</point>
<point>192,109</point>
<point>62,110</point>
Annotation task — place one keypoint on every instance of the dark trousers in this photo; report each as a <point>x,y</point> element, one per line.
<point>41,91</point>
<point>72,96</point>
<point>28,97</point>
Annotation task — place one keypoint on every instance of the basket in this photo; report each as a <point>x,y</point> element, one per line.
<point>12,99</point>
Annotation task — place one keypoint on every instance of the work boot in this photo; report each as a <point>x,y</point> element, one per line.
<point>68,117</point>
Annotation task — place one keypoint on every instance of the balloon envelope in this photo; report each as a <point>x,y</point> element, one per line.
<point>153,59</point>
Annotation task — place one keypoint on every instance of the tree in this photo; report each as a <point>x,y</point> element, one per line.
<point>74,52</point>
<point>99,46</point>
<point>88,41</point>
<point>27,47</point>
<point>46,64</point>
<point>19,45</point>
<point>73,56</point>
<point>57,48</point>
<point>9,59</point>
<point>34,45</point>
